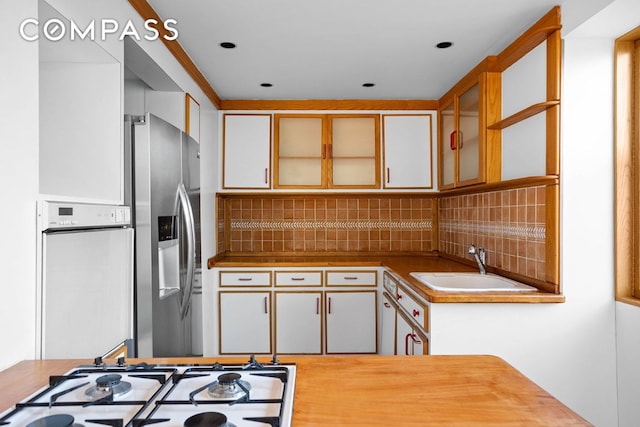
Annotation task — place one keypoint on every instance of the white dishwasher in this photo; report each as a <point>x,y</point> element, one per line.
<point>85,286</point>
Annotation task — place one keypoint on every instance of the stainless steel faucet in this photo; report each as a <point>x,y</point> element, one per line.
<point>480,256</point>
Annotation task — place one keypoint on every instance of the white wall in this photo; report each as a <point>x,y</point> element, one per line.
<point>19,177</point>
<point>587,204</point>
<point>589,87</point>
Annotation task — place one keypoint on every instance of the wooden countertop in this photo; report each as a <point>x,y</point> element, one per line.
<point>401,265</point>
<point>376,391</point>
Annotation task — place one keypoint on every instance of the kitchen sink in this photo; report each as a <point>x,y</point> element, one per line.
<point>470,282</point>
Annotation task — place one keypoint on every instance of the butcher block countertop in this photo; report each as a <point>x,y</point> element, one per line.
<point>401,265</point>
<point>470,390</point>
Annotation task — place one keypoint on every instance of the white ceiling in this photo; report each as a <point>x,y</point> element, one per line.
<point>326,49</point>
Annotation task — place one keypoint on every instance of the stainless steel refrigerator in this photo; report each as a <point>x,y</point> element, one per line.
<point>164,194</point>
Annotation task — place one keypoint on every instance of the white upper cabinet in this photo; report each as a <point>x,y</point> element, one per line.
<point>81,138</point>
<point>407,151</point>
<point>247,151</point>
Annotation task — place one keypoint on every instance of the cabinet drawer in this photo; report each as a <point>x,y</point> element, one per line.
<point>245,278</point>
<point>352,278</point>
<point>298,278</point>
<point>417,310</point>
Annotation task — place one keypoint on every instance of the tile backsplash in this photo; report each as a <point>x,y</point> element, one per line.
<point>332,223</point>
<point>509,224</point>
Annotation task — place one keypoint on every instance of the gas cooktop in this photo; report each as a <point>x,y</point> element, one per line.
<point>252,394</point>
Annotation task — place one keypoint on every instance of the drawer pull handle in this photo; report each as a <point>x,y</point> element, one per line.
<point>266,305</point>
<point>350,277</point>
<point>299,279</point>
<point>317,305</point>
<point>414,341</point>
<point>245,279</point>
<point>416,313</point>
<point>398,297</point>
<point>387,305</point>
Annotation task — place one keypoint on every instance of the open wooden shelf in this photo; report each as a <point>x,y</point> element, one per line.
<point>524,114</point>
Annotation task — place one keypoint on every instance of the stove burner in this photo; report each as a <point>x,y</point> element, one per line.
<point>229,386</point>
<point>208,419</point>
<point>58,420</point>
<point>106,385</point>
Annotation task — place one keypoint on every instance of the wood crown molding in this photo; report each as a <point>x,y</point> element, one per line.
<point>486,65</point>
<point>145,11</point>
<point>329,104</point>
<point>532,37</point>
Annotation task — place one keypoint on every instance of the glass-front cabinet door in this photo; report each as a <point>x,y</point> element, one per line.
<point>461,140</point>
<point>447,146</point>
<point>468,135</point>
<point>300,151</point>
<point>354,151</point>
<point>327,151</point>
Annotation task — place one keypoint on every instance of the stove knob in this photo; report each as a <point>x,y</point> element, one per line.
<point>120,361</point>
<point>98,361</point>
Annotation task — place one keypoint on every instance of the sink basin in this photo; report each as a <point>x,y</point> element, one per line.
<point>470,282</point>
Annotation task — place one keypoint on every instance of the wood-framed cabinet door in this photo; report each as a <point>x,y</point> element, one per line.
<point>351,322</point>
<point>408,341</point>
<point>326,151</point>
<point>407,150</point>
<point>298,322</point>
<point>247,151</point>
<point>245,322</point>
<point>300,151</point>
<point>354,151</point>
<point>468,138</point>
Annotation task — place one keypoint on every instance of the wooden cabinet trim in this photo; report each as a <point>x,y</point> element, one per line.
<point>187,112</point>
<point>532,37</point>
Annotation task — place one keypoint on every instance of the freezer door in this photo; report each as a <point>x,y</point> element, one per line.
<point>191,181</point>
<point>87,292</point>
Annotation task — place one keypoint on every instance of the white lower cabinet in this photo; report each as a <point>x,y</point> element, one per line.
<point>245,322</point>
<point>408,341</point>
<point>388,328</point>
<point>351,321</point>
<point>298,322</point>
<point>411,340</point>
<point>298,313</point>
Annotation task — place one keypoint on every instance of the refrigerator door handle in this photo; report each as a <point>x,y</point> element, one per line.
<point>183,198</point>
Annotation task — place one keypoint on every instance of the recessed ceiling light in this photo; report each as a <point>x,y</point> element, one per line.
<point>266,84</point>
<point>368,84</point>
<point>227,45</point>
<point>444,45</point>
